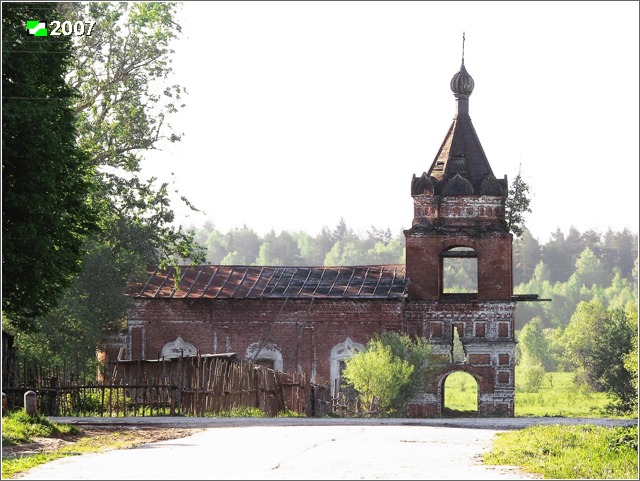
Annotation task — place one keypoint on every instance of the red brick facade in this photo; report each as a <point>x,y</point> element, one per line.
<point>296,324</point>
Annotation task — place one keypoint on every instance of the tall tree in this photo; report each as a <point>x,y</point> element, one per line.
<point>46,178</point>
<point>243,245</point>
<point>556,258</point>
<point>598,341</point>
<point>589,269</point>
<point>517,205</point>
<point>121,73</point>
<point>620,249</point>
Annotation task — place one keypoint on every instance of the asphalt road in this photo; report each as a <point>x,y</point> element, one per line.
<point>303,448</point>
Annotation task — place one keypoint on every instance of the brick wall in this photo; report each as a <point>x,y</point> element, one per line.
<point>303,333</point>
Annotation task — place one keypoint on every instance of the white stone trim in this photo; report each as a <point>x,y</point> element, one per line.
<point>269,351</point>
<point>339,352</point>
<point>178,348</point>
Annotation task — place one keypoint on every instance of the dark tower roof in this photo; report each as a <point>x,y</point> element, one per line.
<point>461,166</point>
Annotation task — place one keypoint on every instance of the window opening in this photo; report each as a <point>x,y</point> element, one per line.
<point>458,354</point>
<point>460,271</point>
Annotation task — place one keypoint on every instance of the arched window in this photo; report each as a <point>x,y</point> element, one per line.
<point>339,353</point>
<point>459,271</point>
<point>178,348</point>
<point>269,355</point>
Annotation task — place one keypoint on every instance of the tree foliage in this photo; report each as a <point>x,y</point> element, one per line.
<point>377,375</point>
<point>517,205</point>
<point>597,340</point>
<point>47,180</point>
<point>392,369</point>
<point>121,72</point>
<point>122,75</point>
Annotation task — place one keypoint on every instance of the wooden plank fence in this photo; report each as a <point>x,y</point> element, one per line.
<point>206,385</point>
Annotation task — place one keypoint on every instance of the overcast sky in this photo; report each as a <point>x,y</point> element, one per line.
<point>300,113</point>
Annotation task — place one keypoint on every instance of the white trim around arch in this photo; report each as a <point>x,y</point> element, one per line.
<point>268,351</point>
<point>339,352</point>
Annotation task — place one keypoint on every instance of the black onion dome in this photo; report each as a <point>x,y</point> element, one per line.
<point>462,83</point>
<point>491,186</point>
<point>457,185</point>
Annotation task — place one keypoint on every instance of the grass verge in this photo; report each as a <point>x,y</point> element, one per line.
<point>569,452</point>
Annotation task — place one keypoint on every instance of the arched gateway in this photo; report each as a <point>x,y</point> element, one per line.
<point>315,315</point>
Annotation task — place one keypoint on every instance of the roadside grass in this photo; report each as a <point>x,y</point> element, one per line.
<point>11,467</point>
<point>569,452</point>
<point>18,427</point>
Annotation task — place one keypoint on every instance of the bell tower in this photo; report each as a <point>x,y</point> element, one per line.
<point>459,217</point>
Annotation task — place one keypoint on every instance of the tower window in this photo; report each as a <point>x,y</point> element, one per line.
<point>459,271</point>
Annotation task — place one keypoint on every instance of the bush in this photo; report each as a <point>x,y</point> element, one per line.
<point>532,377</point>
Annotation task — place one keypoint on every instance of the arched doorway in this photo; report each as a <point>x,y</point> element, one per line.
<point>459,391</point>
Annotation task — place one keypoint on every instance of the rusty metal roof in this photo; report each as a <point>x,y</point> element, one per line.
<point>251,282</point>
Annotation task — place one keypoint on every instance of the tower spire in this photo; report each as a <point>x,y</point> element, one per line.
<point>462,48</point>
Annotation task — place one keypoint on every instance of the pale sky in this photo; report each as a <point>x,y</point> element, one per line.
<point>300,113</point>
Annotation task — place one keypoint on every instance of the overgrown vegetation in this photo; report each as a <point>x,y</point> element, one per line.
<point>19,427</point>
<point>240,412</point>
<point>392,368</point>
<point>569,452</point>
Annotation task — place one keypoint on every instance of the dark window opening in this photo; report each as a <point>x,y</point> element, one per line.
<point>344,387</point>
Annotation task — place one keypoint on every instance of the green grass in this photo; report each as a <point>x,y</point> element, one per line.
<point>569,452</point>
<point>238,412</point>
<point>11,467</point>
<point>460,393</point>
<point>19,427</point>
<point>558,395</point>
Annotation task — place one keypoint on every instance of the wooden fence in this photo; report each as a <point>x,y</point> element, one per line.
<point>203,385</point>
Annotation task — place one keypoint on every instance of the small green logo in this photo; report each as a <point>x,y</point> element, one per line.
<point>36,28</point>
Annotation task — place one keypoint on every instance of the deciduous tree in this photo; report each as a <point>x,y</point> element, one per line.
<point>393,368</point>
<point>47,179</point>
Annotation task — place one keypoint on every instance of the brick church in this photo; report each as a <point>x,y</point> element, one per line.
<point>311,319</point>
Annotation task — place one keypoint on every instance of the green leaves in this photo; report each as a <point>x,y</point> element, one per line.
<point>391,370</point>
<point>47,180</point>
<point>517,205</point>
<point>597,341</point>
<point>119,72</point>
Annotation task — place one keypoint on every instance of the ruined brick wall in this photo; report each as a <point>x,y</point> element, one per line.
<point>303,333</point>
<point>486,331</point>
<point>425,268</point>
